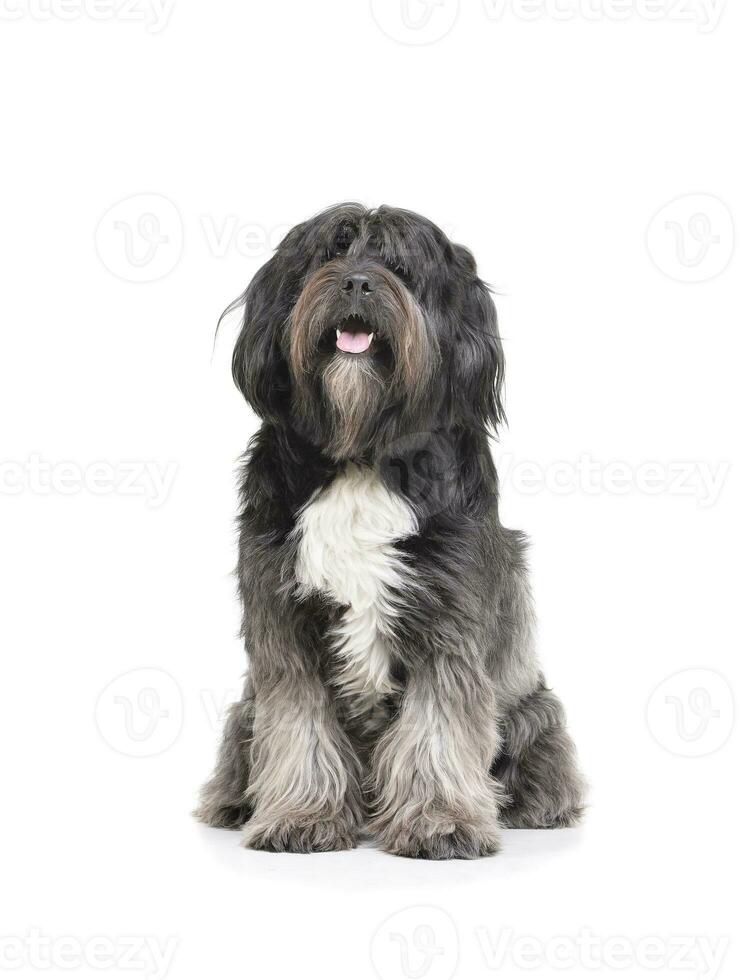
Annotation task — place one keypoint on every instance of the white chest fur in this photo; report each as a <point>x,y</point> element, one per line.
<point>346,551</point>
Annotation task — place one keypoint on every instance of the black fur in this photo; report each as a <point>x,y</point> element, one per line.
<point>464,646</point>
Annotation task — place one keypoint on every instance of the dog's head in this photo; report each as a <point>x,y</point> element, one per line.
<point>366,326</point>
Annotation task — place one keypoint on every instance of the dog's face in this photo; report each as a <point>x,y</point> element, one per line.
<point>366,326</point>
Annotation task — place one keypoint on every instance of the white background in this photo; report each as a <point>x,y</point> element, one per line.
<point>548,140</point>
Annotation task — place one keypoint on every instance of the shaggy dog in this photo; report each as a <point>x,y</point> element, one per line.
<point>393,683</point>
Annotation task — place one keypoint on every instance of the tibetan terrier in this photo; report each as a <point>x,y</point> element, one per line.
<point>393,685</point>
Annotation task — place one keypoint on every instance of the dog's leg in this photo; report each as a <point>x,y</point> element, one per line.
<point>537,765</point>
<point>432,793</point>
<point>304,779</point>
<point>223,801</point>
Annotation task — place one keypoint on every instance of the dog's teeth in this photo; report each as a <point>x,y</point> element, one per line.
<point>338,333</point>
<point>370,337</point>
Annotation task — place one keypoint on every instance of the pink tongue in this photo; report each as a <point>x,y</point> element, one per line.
<point>353,343</point>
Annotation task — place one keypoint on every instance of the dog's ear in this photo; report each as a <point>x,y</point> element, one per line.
<point>259,368</point>
<point>478,364</point>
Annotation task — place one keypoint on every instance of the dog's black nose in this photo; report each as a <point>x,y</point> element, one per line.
<point>357,284</point>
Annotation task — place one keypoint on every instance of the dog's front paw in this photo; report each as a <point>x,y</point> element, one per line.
<point>228,816</point>
<point>300,837</point>
<point>442,839</point>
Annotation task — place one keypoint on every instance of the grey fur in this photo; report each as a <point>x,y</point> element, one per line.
<point>467,737</point>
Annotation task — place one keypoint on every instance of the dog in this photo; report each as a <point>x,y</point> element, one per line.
<point>393,686</point>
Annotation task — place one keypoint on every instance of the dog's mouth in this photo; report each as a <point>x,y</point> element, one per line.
<point>354,335</point>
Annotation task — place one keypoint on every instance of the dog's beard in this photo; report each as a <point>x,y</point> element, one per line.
<point>353,389</point>
<point>338,397</point>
